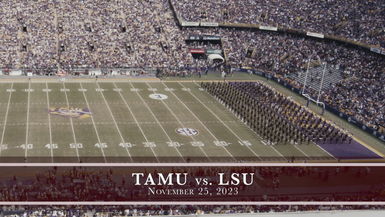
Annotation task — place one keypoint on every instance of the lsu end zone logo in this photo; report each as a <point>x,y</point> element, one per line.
<point>187,131</point>
<point>71,112</point>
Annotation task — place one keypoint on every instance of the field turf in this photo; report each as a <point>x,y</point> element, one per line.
<point>128,121</point>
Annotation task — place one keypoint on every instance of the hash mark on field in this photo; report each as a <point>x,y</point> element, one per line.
<point>135,120</point>
<point>196,117</point>
<point>224,124</point>
<point>118,122</point>
<point>279,153</point>
<point>6,118</point>
<point>99,103</point>
<point>157,120</point>
<point>180,123</point>
<point>93,121</point>
<point>113,118</point>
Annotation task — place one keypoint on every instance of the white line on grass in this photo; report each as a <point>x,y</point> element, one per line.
<point>136,121</point>
<point>49,124</point>
<point>224,124</point>
<point>6,119</point>
<point>295,146</point>
<point>196,117</point>
<point>72,125</point>
<point>176,117</point>
<point>271,146</point>
<point>325,151</point>
<point>27,125</point>
<point>116,125</point>
<point>156,119</point>
<point>93,122</point>
<point>309,111</point>
<point>110,123</point>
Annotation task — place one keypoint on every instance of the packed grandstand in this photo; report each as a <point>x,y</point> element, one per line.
<point>49,37</point>
<point>282,40</point>
<point>183,210</point>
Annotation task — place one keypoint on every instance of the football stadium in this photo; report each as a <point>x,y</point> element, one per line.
<point>181,82</point>
<point>167,121</point>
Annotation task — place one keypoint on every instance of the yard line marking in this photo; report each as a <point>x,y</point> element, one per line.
<point>49,123</point>
<point>27,126</point>
<point>136,121</point>
<point>199,120</point>
<point>72,126</point>
<point>223,123</point>
<point>156,119</point>
<point>111,123</point>
<point>113,118</point>
<point>6,118</point>
<point>327,151</point>
<point>176,117</point>
<point>93,122</point>
<point>279,153</point>
<point>295,146</point>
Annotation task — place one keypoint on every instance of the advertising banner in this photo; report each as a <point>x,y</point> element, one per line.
<point>211,38</point>
<point>315,35</point>
<point>197,51</point>
<point>213,51</point>
<point>209,24</point>
<point>268,28</point>
<point>189,24</point>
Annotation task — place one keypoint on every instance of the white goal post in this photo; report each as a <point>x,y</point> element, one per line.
<point>307,96</point>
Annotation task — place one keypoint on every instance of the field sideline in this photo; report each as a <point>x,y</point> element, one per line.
<point>129,121</point>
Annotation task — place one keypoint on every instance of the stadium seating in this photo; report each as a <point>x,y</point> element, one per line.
<point>358,20</point>
<point>41,36</point>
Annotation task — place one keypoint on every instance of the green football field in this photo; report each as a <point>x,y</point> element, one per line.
<point>128,121</point>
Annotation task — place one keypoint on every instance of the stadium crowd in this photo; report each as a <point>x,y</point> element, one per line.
<point>362,21</point>
<point>51,34</point>
<point>60,36</point>
<point>361,95</point>
<point>121,211</point>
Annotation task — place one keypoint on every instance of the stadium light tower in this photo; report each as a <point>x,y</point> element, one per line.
<point>307,96</point>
